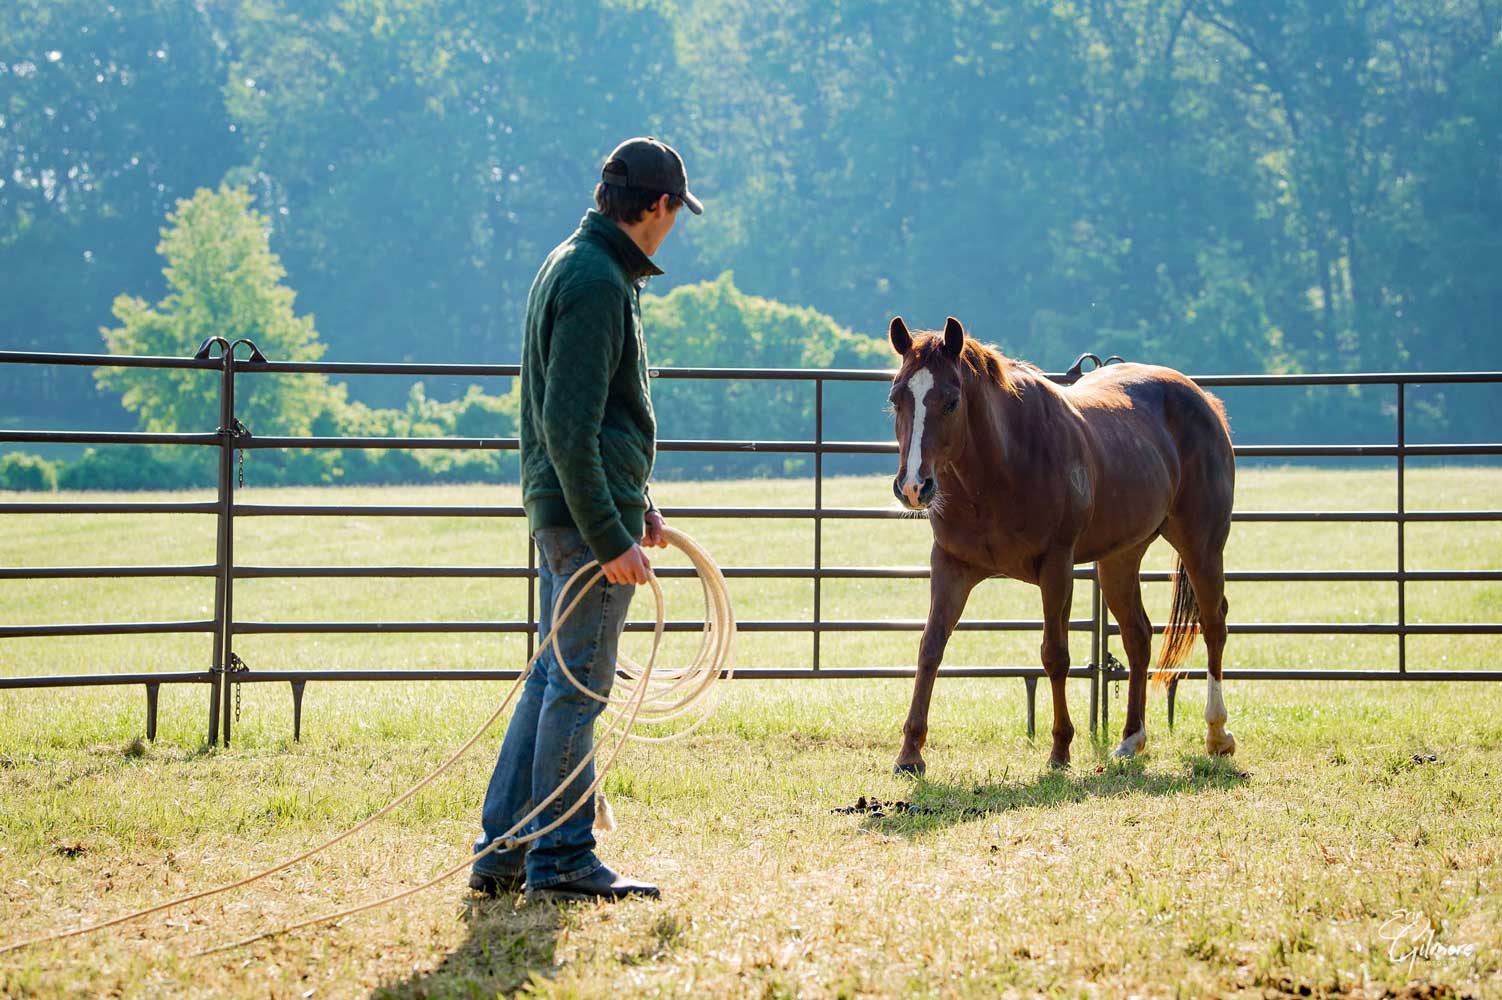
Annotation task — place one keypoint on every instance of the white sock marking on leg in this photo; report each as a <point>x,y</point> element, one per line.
<point>1215,706</point>
<point>1132,745</point>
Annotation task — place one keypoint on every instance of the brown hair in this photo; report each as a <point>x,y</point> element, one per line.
<point>628,205</point>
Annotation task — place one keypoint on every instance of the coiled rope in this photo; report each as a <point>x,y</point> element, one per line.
<point>643,693</point>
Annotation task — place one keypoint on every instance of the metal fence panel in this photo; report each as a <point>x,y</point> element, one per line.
<point>231,437</point>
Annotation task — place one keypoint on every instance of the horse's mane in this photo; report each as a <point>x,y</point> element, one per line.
<point>981,360</point>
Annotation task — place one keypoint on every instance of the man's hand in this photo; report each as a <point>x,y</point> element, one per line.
<point>653,535</point>
<point>631,566</point>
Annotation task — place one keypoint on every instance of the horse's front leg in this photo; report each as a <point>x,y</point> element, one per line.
<point>949,587</point>
<point>1056,580</point>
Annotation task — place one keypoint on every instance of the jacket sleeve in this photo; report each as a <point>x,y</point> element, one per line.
<point>588,338</point>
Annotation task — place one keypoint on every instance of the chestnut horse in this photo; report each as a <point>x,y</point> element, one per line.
<point>1025,478</point>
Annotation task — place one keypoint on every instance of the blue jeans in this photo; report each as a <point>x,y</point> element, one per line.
<point>552,727</point>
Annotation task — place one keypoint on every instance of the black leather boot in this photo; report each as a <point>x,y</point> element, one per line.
<point>497,885</point>
<point>603,884</point>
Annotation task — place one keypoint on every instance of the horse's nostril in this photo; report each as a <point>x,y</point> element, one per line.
<point>926,491</point>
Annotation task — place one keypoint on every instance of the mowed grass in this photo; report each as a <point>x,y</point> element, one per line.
<point>1275,874</point>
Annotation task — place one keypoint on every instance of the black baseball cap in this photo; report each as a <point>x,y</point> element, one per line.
<point>646,164</point>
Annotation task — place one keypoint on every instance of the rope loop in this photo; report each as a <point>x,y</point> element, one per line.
<point>643,693</point>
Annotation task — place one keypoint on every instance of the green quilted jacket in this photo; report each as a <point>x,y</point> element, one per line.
<point>588,436</point>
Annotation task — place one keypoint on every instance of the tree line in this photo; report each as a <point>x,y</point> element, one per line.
<point>1282,185</point>
<point>221,272</point>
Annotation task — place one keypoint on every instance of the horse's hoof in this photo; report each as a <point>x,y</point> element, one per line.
<point>1222,744</point>
<point>913,770</point>
<point>1131,746</point>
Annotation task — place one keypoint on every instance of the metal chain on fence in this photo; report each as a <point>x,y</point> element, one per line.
<point>240,431</point>
<point>236,666</point>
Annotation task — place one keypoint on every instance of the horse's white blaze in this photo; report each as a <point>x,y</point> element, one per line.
<point>918,385</point>
<point>1215,705</point>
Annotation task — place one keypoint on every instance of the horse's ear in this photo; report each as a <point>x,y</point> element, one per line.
<point>902,341</point>
<point>954,337</point>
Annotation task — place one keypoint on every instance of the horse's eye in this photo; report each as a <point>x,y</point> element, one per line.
<point>952,405</point>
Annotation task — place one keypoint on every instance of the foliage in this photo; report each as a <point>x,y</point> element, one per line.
<point>134,467</point>
<point>155,467</point>
<point>224,281</point>
<point>1282,186</point>
<point>701,326</point>
<point>474,415</point>
<point>224,278</point>
<point>424,157</point>
<point>692,326</point>
<point>21,471</point>
<point>108,114</point>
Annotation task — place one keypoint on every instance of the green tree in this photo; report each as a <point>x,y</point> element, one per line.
<point>223,280</point>
<point>108,114</point>
<point>714,324</point>
<point>421,158</point>
<point>22,471</point>
<point>1221,185</point>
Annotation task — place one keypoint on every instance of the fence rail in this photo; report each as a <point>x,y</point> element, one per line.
<point>230,437</point>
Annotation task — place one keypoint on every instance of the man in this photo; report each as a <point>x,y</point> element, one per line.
<point>588,438</point>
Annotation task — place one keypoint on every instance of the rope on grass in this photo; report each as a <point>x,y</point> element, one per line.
<point>643,694</point>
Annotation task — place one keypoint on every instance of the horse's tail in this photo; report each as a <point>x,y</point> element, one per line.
<point>1183,626</point>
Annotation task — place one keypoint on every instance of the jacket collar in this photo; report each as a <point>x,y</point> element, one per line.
<point>636,264</point>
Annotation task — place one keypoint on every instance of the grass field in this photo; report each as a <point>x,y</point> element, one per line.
<point>1276,874</point>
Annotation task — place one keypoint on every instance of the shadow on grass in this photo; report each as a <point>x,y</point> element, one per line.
<point>935,805</point>
<point>510,945</point>
<point>100,759</point>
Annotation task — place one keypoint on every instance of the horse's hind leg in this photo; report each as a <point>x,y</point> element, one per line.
<point>1198,529</point>
<point>1206,569</point>
<point>1123,593</point>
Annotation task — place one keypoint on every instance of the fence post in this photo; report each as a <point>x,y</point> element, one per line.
<point>1031,684</point>
<point>1103,667</point>
<point>226,563</point>
<point>1095,629</point>
<point>532,609</point>
<point>216,666</point>
<point>297,690</point>
<point>1402,536</point>
<point>153,691</point>
<point>818,515</point>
